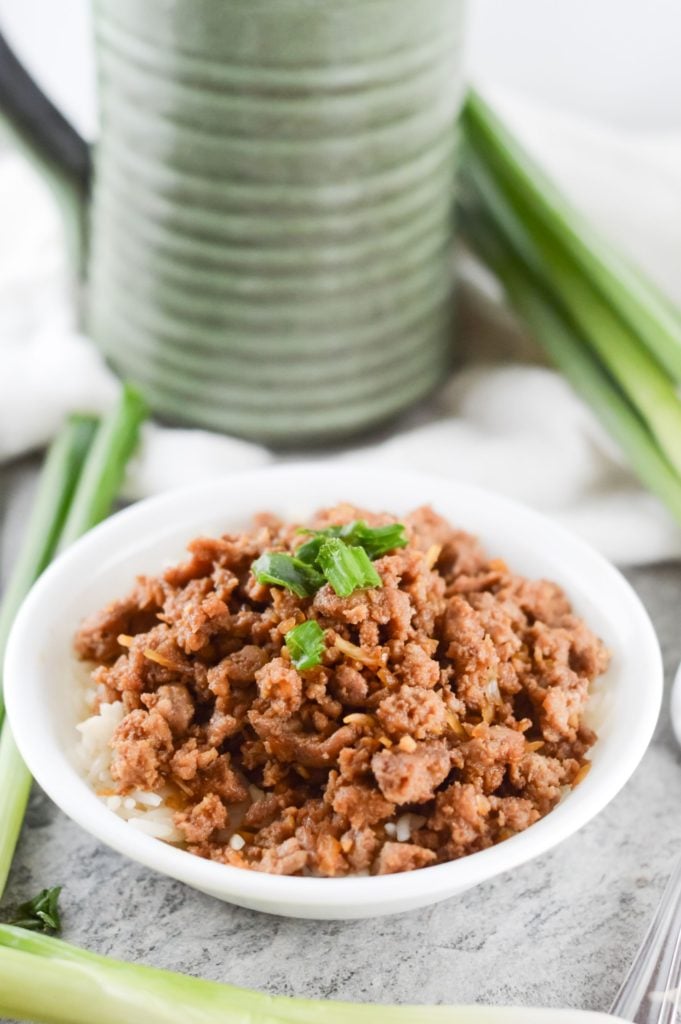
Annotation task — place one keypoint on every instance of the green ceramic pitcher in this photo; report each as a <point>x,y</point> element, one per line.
<point>265,223</point>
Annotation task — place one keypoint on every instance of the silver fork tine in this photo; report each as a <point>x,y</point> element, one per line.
<point>650,992</point>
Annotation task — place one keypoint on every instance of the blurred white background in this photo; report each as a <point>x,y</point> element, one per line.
<point>612,60</point>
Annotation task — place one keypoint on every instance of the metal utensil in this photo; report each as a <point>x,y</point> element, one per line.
<point>651,991</point>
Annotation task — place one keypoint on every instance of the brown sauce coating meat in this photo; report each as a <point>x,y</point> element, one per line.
<point>458,708</point>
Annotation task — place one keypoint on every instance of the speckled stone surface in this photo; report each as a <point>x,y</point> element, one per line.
<point>560,931</point>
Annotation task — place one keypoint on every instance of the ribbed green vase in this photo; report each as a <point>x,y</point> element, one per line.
<point>271,220</point>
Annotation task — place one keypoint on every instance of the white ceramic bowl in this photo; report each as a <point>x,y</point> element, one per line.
<point>42,688</point>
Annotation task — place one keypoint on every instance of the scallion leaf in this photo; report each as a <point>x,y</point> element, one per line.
<point>348,559</point>
<point>279,569</point>
<point>41,914</point>
<point>376,540</point>
<point>346,568</point>
<point>309,551</point>
<point>306,644</point>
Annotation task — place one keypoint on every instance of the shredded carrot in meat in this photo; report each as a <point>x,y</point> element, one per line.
<point>384,741</point>
<point>432,555</point>
<point>536,745</point>
<point>497,565</point>
<point>582,774</point>
<point>477,731</point>
<point>408,744</point>
<point>455,723</point>
<point>160,659</point>
<point>371,658</point>
<point>124,640</point>
<point>359,718</point>
<point>183,786</point>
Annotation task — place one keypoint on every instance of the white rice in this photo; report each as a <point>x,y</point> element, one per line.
<point>403,829</point>
<point>145,811</point>
<point>599,707</point>
<point>405,825</point>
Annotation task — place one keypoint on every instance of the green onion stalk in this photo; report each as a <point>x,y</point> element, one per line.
<point>100,481</point>
<point>45,979</point>
<point>648,314</point>
<point>79,483</point>
<point>572,356</point>
<point>575,295</point>
<point>621,350</point>
<point>50,507</point>
<point>55,490</point>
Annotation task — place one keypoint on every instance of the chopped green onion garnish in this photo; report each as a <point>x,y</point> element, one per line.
<point>345,564</point>
<point>346,568</point>
<point>283,570</point>
<point>376,540</point>
<point>306,644</point>
<point>41,914</point>
<point>309,551</point>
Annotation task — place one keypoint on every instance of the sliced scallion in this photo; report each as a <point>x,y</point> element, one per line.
<point>279,569</point>
<point>306,644</point>
<point>346,568</point>
<point>376,540</point>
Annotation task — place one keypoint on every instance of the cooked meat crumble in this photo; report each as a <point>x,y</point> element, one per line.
<point>445,716</point>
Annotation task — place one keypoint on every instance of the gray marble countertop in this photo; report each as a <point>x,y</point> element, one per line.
<point>560,931</point>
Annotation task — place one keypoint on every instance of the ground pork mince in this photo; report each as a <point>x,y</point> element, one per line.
<point>446,714</point>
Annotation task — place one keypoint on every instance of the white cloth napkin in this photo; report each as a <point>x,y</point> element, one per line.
<point>505,420</point>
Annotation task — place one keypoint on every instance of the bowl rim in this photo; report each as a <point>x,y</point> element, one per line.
<point>51,768</point>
